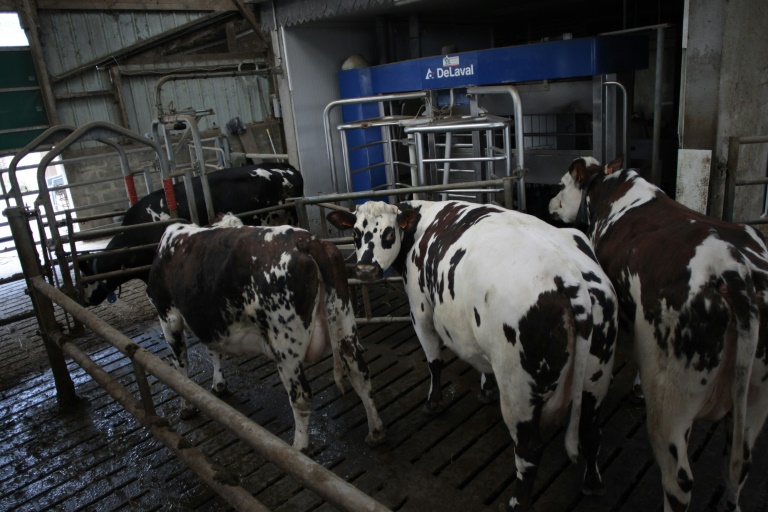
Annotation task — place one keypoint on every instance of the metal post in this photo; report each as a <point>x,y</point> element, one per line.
<point>625,140</point>
<point>655,169</point>
<point>144,390</point>
<point>43,307</point>
<point>301,214</point>
<point>508,202</point>
<point>730,178</point>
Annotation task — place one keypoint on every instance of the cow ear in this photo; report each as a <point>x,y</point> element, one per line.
<point>408,219</point>
<point>579,171</point>
<point>616,165</point>
<point>341,219</point>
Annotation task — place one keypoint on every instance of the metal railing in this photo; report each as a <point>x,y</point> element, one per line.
<point>322,481</point>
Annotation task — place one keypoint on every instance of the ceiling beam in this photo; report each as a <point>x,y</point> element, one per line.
<point>138,5</point>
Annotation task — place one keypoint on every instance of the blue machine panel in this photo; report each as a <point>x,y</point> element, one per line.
<point>543,61</point>
<point>571,58</point>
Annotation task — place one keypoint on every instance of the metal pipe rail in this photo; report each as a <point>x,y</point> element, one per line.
<point>324,201</point>
<point>216,478</point>
<point>354,101</point>
<point>732,181</point>
<point>322,481</point>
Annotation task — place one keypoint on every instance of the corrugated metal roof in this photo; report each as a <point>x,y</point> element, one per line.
<point>296,12</point>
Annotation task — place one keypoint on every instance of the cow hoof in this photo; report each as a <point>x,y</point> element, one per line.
<point>432,408</point>
<point>187,413</point>
<point>376,438</point>
<point>488,396</point>
<point>221,390</point>
<point>593,489</point>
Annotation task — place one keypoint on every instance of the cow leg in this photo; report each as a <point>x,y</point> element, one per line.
<point>489,389</point>
<point>172,325</point>
<point>430,343</point>
<point>757,413</point>
<point>589,439</point>
<point>357,371</point>
<point>528,447</point>
<point>596,383</point>
<point>218,384</point>
<point>669,424</point>
<point>292,374</point>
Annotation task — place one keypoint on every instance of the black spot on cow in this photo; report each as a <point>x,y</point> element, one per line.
<point>596,376</point>
<point>477,317</point>
<point>387,237</point>
<point>511,334</point>
<point>452,270</point>
<point>684,480</point>
<point>585,247</point>
<point>673,450</point>
<point>590,277</point>
<point>544,340</point>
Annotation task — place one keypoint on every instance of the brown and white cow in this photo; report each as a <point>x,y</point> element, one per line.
<point>694,291</point>
<point>514,297</point>
<point>275,291</point>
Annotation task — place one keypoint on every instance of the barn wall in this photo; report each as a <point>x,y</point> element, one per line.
<point>72,39</point>
<point>742,99</point>
<point>313,57</point>
<point>723,91</point>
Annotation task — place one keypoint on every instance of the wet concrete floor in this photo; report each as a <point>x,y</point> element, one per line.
<point>99,458</point>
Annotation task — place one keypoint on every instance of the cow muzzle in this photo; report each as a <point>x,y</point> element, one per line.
<point>369,272</point>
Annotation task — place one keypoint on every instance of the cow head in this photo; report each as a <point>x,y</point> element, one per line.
<point>571,203</point>
<point>379,229</point>
<point>96,292</point>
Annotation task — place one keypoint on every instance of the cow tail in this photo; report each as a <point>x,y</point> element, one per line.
<point>740,289</point>
<point>580,312</point>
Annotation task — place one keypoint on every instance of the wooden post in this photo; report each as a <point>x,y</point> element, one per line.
<point>30,22</point>
<point>117,90</point>
<point>46,319</point>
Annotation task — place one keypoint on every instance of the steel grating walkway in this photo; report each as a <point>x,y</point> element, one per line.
<point>460,460</point>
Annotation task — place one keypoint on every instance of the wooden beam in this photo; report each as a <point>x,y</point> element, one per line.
<point>117,88</point>
<point>154,63</point>
<point>145,44</point>
<point>31,25</point>
<point>247,13</point>
<point>138,5</point>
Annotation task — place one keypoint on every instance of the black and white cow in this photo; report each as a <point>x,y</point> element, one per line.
<point>512,296</point>
<point>694,291</point>
<point>277,291</point>
<point>234,190</point>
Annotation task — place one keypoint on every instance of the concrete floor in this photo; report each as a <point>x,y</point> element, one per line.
<point>99,458</point>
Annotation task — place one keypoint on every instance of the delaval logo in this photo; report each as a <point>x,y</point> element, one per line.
<point>451,68</point>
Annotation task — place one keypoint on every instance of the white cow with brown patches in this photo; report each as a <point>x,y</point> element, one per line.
<point>694,292</point>
<point>277,291</point>
<point>512,296</point>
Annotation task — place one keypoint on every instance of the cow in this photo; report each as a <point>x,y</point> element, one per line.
<point>277,291</point>
<point>693,290</point>
<point>512,296</point>
<point>236,190</point>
